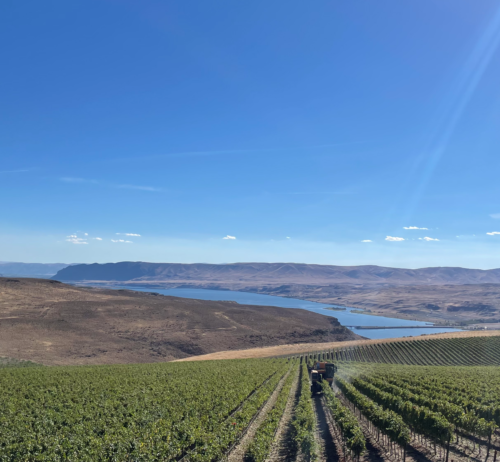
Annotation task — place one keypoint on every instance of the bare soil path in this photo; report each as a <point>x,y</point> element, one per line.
<point>283,449</point>
<point>237,454</point>
<point>327,449</point>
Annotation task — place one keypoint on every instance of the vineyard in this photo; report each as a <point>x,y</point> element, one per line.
<point>172,411</point>
<point>471,351</point>
<point>261,410</point>
<point>447,410</point>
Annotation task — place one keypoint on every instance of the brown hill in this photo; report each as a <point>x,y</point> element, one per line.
<point>273,273</point>
<point>53,323</point>
<point>455,303</point>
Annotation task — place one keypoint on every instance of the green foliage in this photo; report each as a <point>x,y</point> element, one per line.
<point>475,390</point>
<point>424,421</point>
<point>387,421</point>
<point>144,412</point>
<point>352,434</point>
<point>468,421</point>
<point>260,446</point>
<point>468,351</point>
<point>304,419</point>
<point>433,400</point>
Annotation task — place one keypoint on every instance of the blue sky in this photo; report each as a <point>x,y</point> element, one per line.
<point>301,130</point>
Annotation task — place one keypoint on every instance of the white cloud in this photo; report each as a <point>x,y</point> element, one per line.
<point>228,237</point>
<point>394,239</point>
<point>493,233</point>
<point>86,234</point>
<point>97,238</point>
<point>129,234</point>
<point>288,237</point>
<point>122,241</point>
<point>496,216</point>
<point>76,240</point>
<point>413,227</point>
<point>368,240</point>
<point>427,239</point>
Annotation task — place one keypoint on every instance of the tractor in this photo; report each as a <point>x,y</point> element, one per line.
<point>322,371</point>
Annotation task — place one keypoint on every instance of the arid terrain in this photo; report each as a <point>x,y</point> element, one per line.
<point>442,295</point>
<point>53,323</point>
<point>443,303</point>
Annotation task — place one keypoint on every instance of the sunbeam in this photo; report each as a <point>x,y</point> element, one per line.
<point>458,99</point>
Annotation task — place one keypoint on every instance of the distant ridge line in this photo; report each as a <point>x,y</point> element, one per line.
<point>272,273</point>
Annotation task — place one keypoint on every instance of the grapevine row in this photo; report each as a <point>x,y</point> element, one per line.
<point>260,446</point>
<point>421,419</point>
<point>304,420</point>
<point>463,412</point>
<point>135,412</point>
<point>352,435</point>
<point>440,352</point>
<point>387,422</point>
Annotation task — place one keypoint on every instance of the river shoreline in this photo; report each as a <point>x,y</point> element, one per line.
<point>215,287</point>
<point>347,316</point>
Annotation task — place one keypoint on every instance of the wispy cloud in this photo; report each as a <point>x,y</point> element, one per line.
<point>97,238</point>
<point>394,239</point>
<point>74,239</point>
<point>228,237</point>
<point>413,227</point>
<point>138,188</point>
<point>121,241</point>
<point>20,170</point>
<point>318,193</point>
<point>496,216</point>
<point>217,152</point>
<point>288,237</point>
<point>129,234</point>
<point>427,239</point>
<point>368,240</point>
<point>69,179</point>
<point>493,233</point>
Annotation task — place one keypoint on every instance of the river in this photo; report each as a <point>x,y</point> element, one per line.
<point>346,318</point>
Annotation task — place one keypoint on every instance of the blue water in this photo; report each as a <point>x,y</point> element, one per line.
<point>346,318</point>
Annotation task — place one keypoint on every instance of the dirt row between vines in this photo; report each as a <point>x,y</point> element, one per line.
<point>237,454</point>
<point>283,448</point>
<point>327,450</point>
<point>300,348</point>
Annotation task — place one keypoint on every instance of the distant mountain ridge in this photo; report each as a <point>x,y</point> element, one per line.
<point>40,270</point>
<point>273,273</point>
